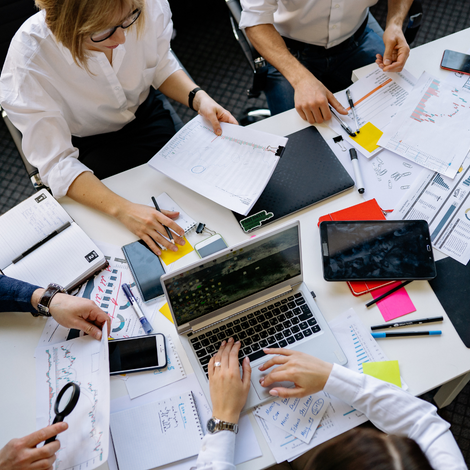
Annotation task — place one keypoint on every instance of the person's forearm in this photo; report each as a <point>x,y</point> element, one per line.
<point>90,191</point>
<point>177,87</point>
<point>397,11</point>
<point>269,43</point>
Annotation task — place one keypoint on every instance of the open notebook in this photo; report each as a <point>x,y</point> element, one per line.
<point>41,243</point>
<point>158,433</point>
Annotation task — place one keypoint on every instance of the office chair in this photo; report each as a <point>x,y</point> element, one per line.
<point>259,65</point>
<point>13,13</point>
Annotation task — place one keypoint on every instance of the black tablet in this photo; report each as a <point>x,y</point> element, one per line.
<point>379,250</point>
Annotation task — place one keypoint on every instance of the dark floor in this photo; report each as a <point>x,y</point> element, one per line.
<point>205,45</point>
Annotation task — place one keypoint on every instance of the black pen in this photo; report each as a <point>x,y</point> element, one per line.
<point>168,231</point>
<point>391,291</point>
<point>342,123</point>
<point>407,323</point>
<point>353,109</point>
<point>42,242</point>
<point>407,333</point>
<point>357,170</point>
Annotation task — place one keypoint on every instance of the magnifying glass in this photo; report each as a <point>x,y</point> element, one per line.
<point>64,404</point>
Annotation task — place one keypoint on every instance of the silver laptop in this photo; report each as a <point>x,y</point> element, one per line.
<point>253,292</point>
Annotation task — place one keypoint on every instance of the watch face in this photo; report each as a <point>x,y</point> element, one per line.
<point>211,426</point>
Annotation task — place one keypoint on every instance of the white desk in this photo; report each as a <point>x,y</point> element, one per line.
<point>425,363</point>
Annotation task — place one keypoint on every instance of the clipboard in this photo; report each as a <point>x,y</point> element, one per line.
<point>308,172</point>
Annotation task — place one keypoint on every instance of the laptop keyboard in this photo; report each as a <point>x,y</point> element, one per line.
<point>278,325</point>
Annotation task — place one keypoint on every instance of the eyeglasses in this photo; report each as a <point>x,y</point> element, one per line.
<point>107,33</point>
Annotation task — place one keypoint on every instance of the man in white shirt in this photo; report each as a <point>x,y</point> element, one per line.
<point>312,47</point>
<point>388,407</point>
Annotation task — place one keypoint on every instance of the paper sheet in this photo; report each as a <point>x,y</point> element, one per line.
<point>360,347</point>
<point>388,371</point>
<point>298,416</point>
<point>140,383</point>
<point>84,361</point>
<point>232,169</point>
<point>445,204</point>
<point>432,128</point>
<point>246,444</point>
<point>387,176</point>
<point>377,98</point>
<point>395,305</point>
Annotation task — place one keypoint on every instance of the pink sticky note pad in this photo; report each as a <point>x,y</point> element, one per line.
<point>395,305</point>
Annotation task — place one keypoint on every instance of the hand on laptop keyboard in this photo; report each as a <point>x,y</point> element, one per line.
<point>309,373</point>
<point>228,390</point>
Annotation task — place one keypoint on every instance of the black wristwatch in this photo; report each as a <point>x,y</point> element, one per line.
<point>215,425</point>
<point>191,96</point>
<point>46,299</point>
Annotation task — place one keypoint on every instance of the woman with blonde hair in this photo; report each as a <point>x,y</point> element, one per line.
<point>80,81</point>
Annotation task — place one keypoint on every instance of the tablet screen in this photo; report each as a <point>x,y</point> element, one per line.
<point>376,250</point>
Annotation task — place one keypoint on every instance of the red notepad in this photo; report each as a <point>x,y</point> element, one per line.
<point>368,210</point>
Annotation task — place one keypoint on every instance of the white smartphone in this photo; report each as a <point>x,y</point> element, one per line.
<point>137,354</point>
<point>210,245</point>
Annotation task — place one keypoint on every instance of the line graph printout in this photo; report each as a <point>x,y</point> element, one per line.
<point>84,361</point>
<point>445,204</point>
<point>377,98</point>
<point>433,126</point>
<point>232,169</point>
<point>359,347</point>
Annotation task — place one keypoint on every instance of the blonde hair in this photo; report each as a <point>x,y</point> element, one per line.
<point>72,21</point>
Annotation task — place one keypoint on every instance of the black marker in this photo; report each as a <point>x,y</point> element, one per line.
<point>168,231</point>
<point>391,291</point>
<point>357,171</point>
<point>353,109</point>
<point>407,323</point>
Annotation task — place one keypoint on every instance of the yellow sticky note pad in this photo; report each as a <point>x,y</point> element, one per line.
<point>388,371</point>
<point>169,256</point>
<point>368,137</point>
<point>166,312</point>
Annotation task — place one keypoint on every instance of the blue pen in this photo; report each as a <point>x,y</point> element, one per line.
<point>132,300</point>
<point>406,333</point>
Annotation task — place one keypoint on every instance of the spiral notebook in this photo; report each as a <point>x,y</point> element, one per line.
<point>157,433</point>
<point>184,221</point>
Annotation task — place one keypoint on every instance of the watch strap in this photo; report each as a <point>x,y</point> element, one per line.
<point>191,96</point>
<point>46,299</point>
<point>219,425</point>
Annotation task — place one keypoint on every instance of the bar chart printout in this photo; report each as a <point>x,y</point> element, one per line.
<point>84,361</point>
<point>432,128</point>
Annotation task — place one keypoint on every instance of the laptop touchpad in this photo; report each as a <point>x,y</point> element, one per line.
<point>263,392</point>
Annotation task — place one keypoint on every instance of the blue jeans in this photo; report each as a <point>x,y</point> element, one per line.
<point>333,69</point>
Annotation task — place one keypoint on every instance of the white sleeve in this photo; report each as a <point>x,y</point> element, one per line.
<point>217,452</point>
<point>395,411</point>
<point>257,12</point>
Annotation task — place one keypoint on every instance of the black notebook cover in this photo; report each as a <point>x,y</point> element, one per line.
<point>308,172</point>
<point>452,288</point>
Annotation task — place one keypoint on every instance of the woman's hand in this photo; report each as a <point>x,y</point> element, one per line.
<point>212,111</point>
<point>22,454</point>
<point>228,390</point>
<point>147,223</point>
<point>308,373</point>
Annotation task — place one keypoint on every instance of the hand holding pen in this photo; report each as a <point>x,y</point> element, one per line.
<point>341,122</point>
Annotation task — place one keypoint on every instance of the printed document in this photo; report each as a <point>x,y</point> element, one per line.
<point>432,128</point>
<point>445,204</point>
<point>232,169</point>
<point>84,361</point>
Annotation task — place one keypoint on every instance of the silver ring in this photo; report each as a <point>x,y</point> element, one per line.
<point>217,364</point>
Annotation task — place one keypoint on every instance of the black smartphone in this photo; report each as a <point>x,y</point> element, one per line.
<point>380,250</point>
<point>146,268</point>
<point>137,354</point>
<point>456,62</point>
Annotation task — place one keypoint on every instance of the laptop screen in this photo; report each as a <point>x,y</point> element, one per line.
<point>234,276</point>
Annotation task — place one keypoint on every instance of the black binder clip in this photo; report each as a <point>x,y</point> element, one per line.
<point>337,140</point>
<point>280,151</point>
<point>202,227</point>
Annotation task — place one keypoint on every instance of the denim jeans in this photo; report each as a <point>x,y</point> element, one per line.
<point>333,69</point>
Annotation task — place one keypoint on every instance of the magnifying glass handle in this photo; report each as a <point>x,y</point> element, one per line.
<point>57,419</point>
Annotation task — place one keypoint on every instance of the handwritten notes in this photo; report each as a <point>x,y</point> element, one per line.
<point>299,417</point>
<point>395,305</point>
<point>157,433</point>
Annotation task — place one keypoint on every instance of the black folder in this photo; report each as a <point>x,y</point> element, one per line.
<point>452,288</point>
<point>308,172</point>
